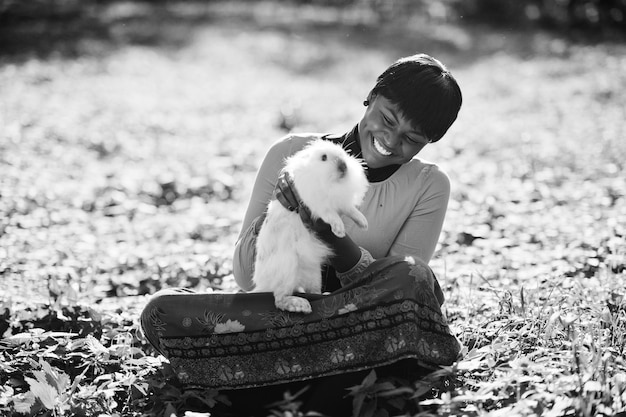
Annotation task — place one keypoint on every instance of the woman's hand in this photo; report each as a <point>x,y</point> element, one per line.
<point>346,252</point>
<point>287,195</point>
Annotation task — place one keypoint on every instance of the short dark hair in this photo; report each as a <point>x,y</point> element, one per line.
<point>424,90</point>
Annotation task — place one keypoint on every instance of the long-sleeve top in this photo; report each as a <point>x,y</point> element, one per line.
<point>405,210</point>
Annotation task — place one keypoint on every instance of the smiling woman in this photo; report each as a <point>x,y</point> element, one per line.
<point>382,309</point>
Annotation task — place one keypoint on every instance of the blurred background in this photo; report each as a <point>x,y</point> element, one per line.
<point>131,132</point>
<point>25,22</point>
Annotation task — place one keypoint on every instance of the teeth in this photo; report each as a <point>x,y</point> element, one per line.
<point>380,148</point>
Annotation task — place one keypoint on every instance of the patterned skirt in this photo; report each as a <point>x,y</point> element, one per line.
<point>240,340</point>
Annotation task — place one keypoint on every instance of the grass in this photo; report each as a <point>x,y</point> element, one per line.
<point>127,155</point>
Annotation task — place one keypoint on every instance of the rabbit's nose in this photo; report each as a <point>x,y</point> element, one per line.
<point>342,167</point>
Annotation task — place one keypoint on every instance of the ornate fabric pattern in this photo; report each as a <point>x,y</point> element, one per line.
<point>228,341</point>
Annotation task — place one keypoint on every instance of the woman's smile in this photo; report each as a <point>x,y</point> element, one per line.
<point>379,147</point>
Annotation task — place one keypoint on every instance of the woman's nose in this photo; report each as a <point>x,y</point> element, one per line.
<point>392,139</point>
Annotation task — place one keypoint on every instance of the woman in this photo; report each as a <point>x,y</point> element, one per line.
<point>383,306</point>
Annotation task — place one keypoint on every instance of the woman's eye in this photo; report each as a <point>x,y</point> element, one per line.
<point>416,142</point>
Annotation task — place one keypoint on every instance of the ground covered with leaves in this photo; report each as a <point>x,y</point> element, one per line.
<point>127,156</point>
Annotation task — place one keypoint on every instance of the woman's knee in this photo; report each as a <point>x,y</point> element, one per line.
<point>424,276</point>
<point>160,299</point>
<point>416,262</point>
<point>158,304</point>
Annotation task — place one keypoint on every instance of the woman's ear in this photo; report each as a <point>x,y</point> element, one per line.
<point>370,97</point>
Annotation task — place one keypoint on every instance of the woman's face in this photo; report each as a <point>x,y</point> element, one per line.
<point>387,138</point>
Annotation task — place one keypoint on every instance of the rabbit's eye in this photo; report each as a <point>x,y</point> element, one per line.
<point>324,157</point>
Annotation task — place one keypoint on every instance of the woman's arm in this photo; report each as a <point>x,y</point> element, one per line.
<point>262,191</point>
<point>417,236</point>
<point>346,253</point>
<point>420,232</point>
<point>245,248</point>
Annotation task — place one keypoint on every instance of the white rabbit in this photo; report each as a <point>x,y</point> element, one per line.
<point>289,256</point>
